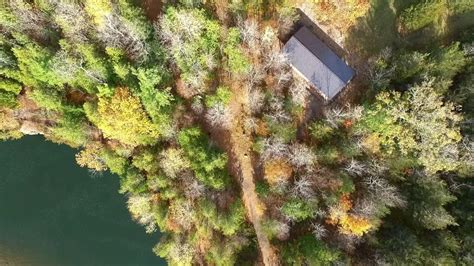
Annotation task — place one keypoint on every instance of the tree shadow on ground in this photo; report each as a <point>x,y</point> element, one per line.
<point>375,31</point>
<point>379,29</point>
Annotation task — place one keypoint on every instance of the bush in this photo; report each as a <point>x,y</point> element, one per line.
<point>9,85</point>
<point>221,97</point>
<point>283,131</point>
<point>461,6</point>
<point>271,228</point>
<point>262,188</point>
<point>132,182</point>
<point>228,222</point>
<point>328,155</point>
<point>321,131</point>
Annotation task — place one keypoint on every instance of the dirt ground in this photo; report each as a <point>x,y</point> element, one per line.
<point>241,148</point>
<point>152,8</point>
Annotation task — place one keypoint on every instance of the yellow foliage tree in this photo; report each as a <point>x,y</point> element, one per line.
<point>348,224</point>
<point>98,10</point>
<point>353,225</point>
<point>123,118</point>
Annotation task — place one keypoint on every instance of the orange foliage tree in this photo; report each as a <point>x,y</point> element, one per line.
<point>277,170</point>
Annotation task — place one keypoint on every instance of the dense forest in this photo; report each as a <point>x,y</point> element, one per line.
<point>228,152</point>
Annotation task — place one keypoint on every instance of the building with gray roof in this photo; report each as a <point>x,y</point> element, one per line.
<point>317,63</point>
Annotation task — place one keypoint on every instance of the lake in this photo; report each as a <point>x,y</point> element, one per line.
<point>52,212</point>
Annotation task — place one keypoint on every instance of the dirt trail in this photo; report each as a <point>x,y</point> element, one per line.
<point>241,147</point>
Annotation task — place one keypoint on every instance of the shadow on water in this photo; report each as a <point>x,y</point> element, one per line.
<point>53,213</point>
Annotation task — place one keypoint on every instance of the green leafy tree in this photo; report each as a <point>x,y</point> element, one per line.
<point>401,245</point>
<point>308,250</point>
<point>71,128</point>
<point>193,40</point>
<point>422,14</point>
<point>47,98</point>
<point>236,60</point>
<point>429,196</point>
<point>36,68</point>
<point>418,124</point>
<point>7,99</point>
<point>297,209</point>
<point>208,164</point>
<point>221,97</point>
<point>158,102</point>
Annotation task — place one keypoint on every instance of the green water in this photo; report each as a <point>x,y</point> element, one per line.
<point>52,212</point>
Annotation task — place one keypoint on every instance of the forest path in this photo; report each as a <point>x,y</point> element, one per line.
<point>241,147</point>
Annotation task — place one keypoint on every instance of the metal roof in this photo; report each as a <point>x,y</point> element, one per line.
<point>318,63</point>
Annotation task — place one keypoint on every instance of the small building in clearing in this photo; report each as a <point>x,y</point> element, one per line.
<point>317,63</point>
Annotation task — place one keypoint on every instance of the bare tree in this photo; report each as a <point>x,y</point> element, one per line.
<point>256,100</point>
<point>377,168</point>
<point>182,253</point>
<point>365,207</point>
<point>276,60</point>
<point>219,115</point>
<point>287,18</point>
<point>299,92</point>
<point>283,231</point>
<point>303,187</point>
<point>284,77</point>
<point>383,191</point>
<point>319,231</point>
<point>72,19</point>
<point>255,76</point>
<point>250,32</point>
<point>31,21</point>
<point>185,24</point>
<point>117,32</point>
<point>355,168</point>
<point>274,148</point>
<point>192,188</point>
<point>301,156</point>
<point>276,110</point>
<point>182,212</point>
<point>140,208</point>
<point>377,75</point>
<point>468,48</point>
<point>173,162</point>
<point>250,125</point>
<point>335,116</point>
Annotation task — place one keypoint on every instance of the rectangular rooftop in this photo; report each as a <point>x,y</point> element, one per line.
<point>317,63</point>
